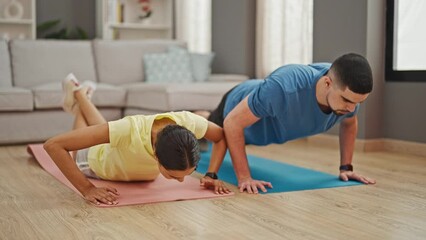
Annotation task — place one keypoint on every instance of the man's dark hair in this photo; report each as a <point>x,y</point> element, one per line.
<point>353,71</point>
<point>177,148</point>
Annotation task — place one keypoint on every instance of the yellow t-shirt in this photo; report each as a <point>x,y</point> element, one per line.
<point>129,155</point>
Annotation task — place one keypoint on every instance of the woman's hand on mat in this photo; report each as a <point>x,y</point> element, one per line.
<point>251,185</point>
<point>217,185</point>
<point>346,175</point>
<point>105,195</point>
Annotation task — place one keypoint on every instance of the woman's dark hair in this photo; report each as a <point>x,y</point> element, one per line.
<point>353,71</point>
<point>177,148</point>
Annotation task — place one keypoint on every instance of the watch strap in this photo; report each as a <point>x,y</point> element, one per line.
<point>212,175</point>
<point>347,167</point>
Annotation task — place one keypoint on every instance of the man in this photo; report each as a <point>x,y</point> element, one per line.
<point>295,101</point>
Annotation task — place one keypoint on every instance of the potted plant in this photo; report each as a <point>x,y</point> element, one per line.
<point>146,11</point>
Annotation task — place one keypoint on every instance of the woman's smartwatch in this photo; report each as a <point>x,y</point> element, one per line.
<point>211,175</point>
<point>347,167</point>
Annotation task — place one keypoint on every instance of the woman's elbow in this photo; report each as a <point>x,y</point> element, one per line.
<point>50,144</point>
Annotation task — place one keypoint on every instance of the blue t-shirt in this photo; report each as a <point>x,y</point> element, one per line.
<point>286,104</point>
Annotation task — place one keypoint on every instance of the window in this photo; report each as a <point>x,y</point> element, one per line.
<point>405,40</point>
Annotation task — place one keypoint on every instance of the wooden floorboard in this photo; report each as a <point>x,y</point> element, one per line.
<point>36,206</point>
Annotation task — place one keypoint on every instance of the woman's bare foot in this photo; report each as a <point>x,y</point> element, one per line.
<point>69,85</point>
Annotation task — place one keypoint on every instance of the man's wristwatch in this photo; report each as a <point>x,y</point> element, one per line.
<point>347,167</point>
<point>212,175</point>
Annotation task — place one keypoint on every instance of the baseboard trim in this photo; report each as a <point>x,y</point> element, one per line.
<point>372,145</point>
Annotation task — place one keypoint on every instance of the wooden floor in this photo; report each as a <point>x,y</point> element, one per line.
<point>36,206</point>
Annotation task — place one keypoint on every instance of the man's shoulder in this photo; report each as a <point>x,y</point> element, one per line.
<point>303,71</point>
<point>320,66</point>
<point>296,77</point>
<point>316,65</point>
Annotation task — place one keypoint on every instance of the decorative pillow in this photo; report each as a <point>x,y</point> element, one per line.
<point>201,66</point>
<point>171,67</point>
<point>200,63</point>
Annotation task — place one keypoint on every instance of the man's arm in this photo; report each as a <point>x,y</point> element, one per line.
<point>347,136</point>
<point>235,122</point>
<point>58,149</point>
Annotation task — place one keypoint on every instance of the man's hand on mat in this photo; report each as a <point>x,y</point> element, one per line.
<point>105,195</point>
<point>346,175</point>
<point>251,185</point>
<point>217,185</point>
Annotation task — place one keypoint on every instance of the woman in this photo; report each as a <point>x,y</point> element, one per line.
<point>134,148</point>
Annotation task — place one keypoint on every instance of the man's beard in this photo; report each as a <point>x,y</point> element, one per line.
<point>340,112</point>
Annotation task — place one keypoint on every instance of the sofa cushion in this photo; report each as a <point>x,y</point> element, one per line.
<point>171,67</point>
<point>121,61</point>
<point>108,95</point>
<point>177,96</point>
<point>15,99</point>
<point>38,126</point>
<point>5,72</point>
<point>44,61</point>
<point>50,96</point>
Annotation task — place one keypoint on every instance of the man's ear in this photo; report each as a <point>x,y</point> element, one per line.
<point>328,81</point>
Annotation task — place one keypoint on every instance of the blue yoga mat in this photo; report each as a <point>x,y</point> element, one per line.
<point>284,177</point>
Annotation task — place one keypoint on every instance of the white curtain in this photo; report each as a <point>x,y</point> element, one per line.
<point>193,24</point>
<point>283,34</point>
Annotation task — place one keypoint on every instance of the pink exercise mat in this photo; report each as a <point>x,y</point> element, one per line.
<point>131,193</point>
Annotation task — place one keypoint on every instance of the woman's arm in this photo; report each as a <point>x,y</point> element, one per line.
<point>215,134</point>
<point>58,149</point>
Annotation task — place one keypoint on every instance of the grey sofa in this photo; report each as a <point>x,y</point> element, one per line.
<point>31,72</point>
